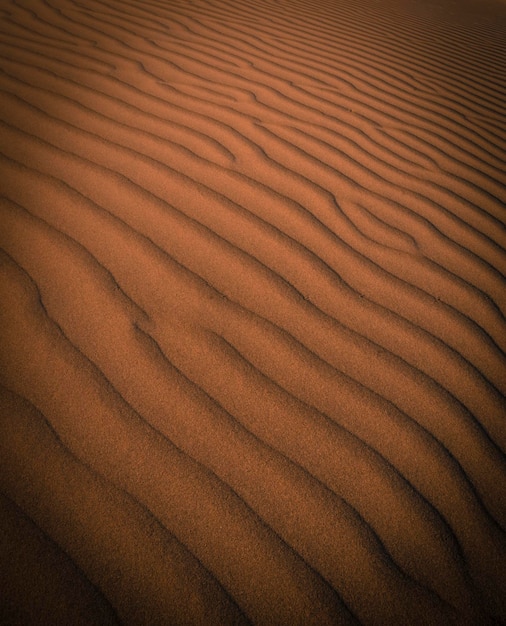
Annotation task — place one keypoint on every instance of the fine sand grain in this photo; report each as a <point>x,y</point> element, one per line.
<point>252,285</point>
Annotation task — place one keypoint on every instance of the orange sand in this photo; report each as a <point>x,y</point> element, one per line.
<point>253,261</point>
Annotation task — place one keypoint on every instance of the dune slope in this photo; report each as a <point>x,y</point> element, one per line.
<point>252,274</point>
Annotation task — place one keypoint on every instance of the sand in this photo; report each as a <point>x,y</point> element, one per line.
<point>252,284</point>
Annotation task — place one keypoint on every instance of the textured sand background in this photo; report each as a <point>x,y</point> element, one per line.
<point>252,312</point>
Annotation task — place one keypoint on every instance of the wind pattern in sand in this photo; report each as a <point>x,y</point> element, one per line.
<point>252,284</point>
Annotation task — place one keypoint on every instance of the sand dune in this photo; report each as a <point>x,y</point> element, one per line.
<point>253,263</point>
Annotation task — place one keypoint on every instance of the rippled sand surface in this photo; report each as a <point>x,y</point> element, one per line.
<point>252,285</point>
